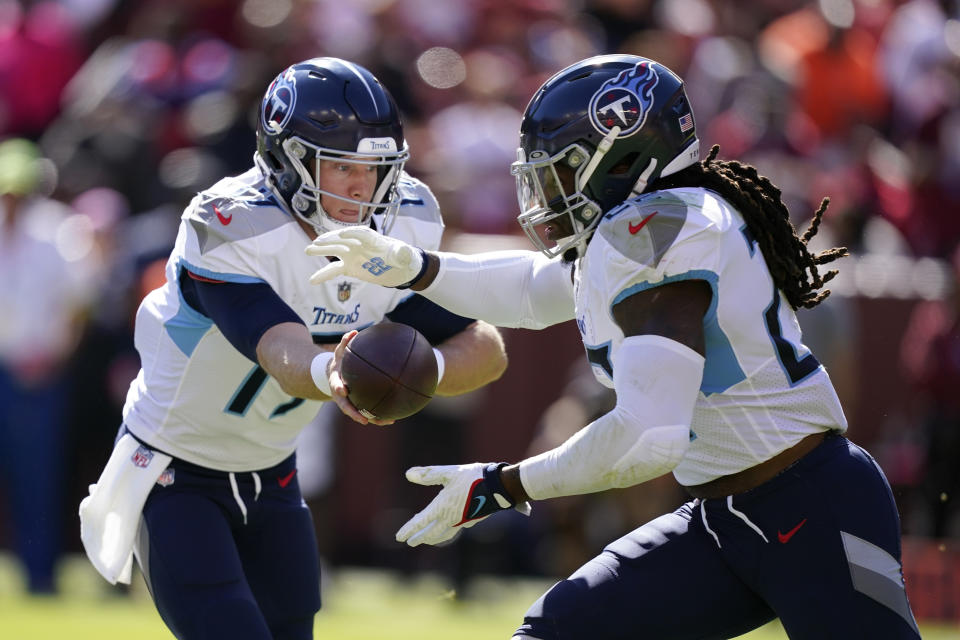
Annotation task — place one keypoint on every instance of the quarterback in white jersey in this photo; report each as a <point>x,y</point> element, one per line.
<point>238,350</point>
<point>197,397</point>
<point>683,277</point>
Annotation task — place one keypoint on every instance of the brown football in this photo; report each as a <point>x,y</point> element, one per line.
<point>390,371</point>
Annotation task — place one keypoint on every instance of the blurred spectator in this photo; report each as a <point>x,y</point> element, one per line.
<point>475,141</point>
<point>930,354</point>
<point>916,62</point>
<point>837,84</point>
<point>39,52</point>
<point>104,361</point>
<point>42,300</point>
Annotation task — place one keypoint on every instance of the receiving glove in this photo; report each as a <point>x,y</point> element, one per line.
<point>470,493</point>
<point>369,256</point>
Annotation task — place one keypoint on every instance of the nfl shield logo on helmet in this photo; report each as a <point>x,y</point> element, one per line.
<point>142,456</point>
<point>278,103</point>
<point>624,101</point>
<point>343,291</point>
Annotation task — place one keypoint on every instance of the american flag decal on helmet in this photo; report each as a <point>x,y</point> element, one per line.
<point>686,122</point>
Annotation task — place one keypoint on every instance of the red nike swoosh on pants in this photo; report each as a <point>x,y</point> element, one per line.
<point>784,538</point>
<point>285,480</point>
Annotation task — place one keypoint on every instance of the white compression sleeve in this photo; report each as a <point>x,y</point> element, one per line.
<point>522,289</point>
<point>646,435</point>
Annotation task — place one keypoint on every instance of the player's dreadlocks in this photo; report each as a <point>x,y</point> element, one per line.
<point>793,267</point>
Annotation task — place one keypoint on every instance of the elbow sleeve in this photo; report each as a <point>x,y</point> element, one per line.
<point>521,289</point>
<point>646,435</point>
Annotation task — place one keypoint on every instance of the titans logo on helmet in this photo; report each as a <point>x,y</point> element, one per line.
<point>624,101</point>
<point>278,102</point>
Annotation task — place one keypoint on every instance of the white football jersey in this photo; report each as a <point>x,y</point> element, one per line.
<point>762,390</point>
<point>199,399</point>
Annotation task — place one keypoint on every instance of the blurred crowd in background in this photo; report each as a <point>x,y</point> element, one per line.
<point>114,113</point>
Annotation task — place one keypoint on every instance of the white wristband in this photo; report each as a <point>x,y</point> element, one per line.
<point>318,371</point>
<point>440,364</point>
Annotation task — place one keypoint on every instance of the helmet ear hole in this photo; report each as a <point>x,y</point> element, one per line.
<point>271,160</point>
<point>625,165</point>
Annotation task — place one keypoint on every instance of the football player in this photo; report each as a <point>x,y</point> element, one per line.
<point>683,276</point>
<point>238,350</point>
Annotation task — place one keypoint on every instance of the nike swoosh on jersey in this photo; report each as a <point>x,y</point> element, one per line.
<point>784,538</point>
<point>483,501</point>
<point>224,220</point>
<point>634,228</point>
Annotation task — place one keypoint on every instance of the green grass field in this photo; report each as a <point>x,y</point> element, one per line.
<point>359,605</point>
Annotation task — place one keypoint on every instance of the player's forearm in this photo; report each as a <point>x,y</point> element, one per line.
<point>644,436</point>
<point>472,358</point>
<point>505,288</point>
<point>285,352</point>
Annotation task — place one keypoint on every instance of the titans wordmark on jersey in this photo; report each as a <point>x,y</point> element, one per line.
<point>198,398</point>
<point>762,389</point>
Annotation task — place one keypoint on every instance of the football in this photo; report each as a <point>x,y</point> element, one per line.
<point>390,371</point>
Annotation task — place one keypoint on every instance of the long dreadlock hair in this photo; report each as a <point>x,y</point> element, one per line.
<point>792,265</point>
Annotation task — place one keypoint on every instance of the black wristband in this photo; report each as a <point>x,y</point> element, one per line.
<point>423,270</point>
<point>491,477</point>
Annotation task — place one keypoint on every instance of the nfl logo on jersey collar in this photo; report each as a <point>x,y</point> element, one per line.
<point>343,291</point>
<point>624,101</point>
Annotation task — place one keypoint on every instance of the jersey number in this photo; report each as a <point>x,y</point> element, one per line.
<point>796,368</point>
<point>248,391</point>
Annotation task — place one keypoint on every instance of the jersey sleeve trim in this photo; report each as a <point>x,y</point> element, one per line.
<point>202,279</point>
<point>333,337</point>
<point>223,277</point>
<point>433,321</point>
<point>722,369</point>
<point>187,327</point>
<point>242,312</point>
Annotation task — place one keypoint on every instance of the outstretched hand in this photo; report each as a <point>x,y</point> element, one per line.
<point>339,389</point>
<point>366,255</point>
<point>470,493</point>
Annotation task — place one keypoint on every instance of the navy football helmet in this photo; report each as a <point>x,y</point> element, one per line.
<point>594,134</point>
<point>329,109</point>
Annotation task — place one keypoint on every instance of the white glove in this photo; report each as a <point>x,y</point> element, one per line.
<point>366,255</point>
<point>470,493</point>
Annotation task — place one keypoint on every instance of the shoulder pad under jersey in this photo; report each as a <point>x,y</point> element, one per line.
<point>419,221</point>
<point>643,229</point>
<point>232,211</point>
<point>673,224</point>
<point>417,200</point>
<point>225,228</point>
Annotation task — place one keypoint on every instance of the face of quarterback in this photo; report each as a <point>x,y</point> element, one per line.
<point>347,179</point>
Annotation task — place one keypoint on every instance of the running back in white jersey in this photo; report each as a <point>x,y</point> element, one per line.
<point>197,397</point>
<point>762,390</point>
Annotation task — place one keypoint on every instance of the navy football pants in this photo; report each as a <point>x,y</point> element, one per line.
<point>216,572</point>
<point>817,546</point>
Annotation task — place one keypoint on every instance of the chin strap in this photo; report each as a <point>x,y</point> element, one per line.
<point>641,182</point>
<point>601,151</point>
